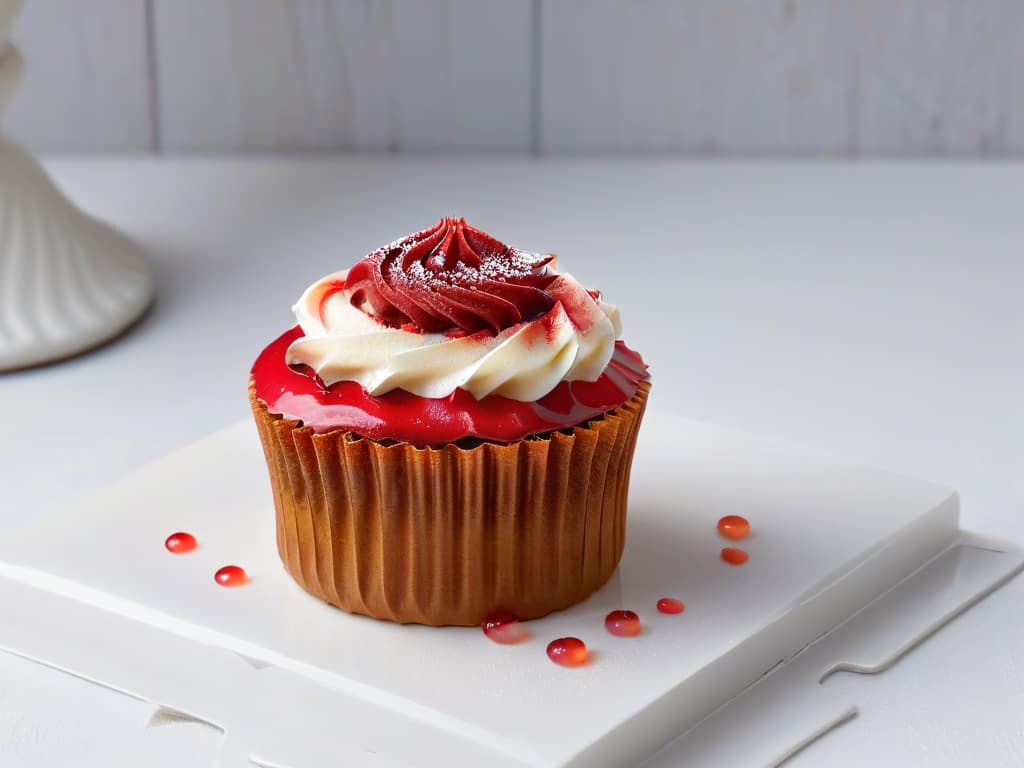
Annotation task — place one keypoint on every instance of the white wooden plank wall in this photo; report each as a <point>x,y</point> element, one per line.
<point>87,82</point>
<point>792,77</point>
<point>703,77</point>
<point>344,74</point>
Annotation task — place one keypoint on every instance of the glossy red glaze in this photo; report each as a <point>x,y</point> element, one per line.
<point>231,576</point>
<point>734,527</point>
<point>179,543</point>
<point>568,651</point>
<point>670,605</point>
<point>622,623</point>
<point>505,629</point>
<point>401,415</point>
<point>734,556</point>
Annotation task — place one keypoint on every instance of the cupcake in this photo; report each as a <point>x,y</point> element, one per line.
<point>449,431</point>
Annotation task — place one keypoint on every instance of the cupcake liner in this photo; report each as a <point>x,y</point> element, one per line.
<point>450,535</point>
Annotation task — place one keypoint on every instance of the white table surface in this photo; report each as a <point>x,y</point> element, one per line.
<point>876,311</point>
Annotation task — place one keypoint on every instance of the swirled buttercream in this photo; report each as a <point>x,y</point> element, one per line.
<point>452,308</point>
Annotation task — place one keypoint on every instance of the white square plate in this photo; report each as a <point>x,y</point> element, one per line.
<point>827,538</point>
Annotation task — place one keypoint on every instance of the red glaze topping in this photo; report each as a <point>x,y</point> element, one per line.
<point>734,527</point>
<point>568,652</point>
<point>734,556</point>
<point>450,278</point>
<point>400,415</point>
<point>671,605</point>
<point>180,543</point>
<point>231,576</point>
<point>505,629</point>
<point>623,623</point>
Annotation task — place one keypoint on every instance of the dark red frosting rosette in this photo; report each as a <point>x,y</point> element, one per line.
<point>451,276</point>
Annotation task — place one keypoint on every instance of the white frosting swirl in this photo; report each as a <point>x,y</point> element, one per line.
<point>574,341</point>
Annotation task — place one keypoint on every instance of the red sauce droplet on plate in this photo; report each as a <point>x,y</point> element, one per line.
<point>179,543</point>
<point>734,556</point>
<point>622,623</point>
<point>670,605</point>
<point>231,576</point>
<point>568,651</point>
<point>734,527</point>
<point>505,629</point>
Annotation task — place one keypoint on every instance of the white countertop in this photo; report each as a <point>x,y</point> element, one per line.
<point>876,311</point>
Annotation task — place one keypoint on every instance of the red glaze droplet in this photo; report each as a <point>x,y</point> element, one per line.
<point>734,527</point>
<point>179,543</point>
<point>505,629</point>
<point>568,651</point>
<point>671,605</point>
<point>622,623</point>
<point>231,576</point>
<point>734,556</point>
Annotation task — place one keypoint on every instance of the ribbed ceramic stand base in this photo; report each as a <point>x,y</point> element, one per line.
<point>450,535</point>
<point>68,283</point>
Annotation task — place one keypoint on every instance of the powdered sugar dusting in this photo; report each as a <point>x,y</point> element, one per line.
<point>512,265</point>
<point>452,276</point>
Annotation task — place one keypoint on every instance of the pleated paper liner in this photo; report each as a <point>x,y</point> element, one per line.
<point>449,535</point>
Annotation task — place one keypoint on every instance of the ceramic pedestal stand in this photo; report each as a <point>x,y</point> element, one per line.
<point>68,283</point>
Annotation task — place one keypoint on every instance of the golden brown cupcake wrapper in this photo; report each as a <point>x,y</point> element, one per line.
<point>450,535</point>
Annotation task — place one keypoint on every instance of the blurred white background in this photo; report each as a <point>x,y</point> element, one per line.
<point>697,77</point>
